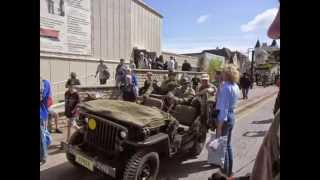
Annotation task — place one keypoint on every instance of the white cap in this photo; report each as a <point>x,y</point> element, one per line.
<point>205,77</point>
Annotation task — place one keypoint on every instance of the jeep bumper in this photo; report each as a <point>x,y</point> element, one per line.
<point>89,162</point>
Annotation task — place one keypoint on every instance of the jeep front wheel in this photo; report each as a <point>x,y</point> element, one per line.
<point>143,165</point>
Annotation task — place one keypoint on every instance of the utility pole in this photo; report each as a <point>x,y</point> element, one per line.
<point>252,63</point>
<point>252,66</point>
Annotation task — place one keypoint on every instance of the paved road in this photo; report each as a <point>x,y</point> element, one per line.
<point>250,128</point>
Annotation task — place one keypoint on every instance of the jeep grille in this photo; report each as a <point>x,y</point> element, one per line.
<point>105,136</point>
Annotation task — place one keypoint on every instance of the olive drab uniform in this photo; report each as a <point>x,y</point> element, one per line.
<point>168,85</point>
<point>183,95</point>
<point>148,88</point>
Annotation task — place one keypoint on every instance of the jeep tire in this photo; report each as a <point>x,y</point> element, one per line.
<point>196,149</point>
<point>199,144</point>
<point>142,165</point>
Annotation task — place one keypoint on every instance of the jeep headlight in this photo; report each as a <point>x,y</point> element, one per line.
<point>123,134</point>
<point>146,132</point>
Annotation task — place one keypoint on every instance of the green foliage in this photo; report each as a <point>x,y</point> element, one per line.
<point>214,65</point>
<point>265,66</point>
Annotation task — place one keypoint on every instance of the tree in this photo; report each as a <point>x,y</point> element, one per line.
<point>214,65</point>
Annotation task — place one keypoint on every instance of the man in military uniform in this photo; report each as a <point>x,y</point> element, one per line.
<point>179,94</point>
<point>182,94</point>
<point>147,89</point>
<point>170,84</point>
<point>208,92</point>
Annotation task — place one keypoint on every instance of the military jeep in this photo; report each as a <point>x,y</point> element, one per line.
<point>124,140</point>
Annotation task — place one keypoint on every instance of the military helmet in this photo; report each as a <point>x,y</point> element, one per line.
<point>184,81</point>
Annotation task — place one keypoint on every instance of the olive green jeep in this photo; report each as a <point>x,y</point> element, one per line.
<point>124,140</point>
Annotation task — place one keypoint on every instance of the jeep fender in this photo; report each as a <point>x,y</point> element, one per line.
<point>160,142</point>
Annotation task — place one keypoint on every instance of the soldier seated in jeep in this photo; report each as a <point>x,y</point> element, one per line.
<point>179,95</point>
<point>167,84</point>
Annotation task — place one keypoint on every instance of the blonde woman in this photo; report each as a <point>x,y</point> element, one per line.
<point>226,102</point>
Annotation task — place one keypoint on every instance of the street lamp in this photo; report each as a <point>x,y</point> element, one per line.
<point>252,62</point>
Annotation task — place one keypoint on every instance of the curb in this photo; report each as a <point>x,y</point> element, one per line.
<point>242,108</point>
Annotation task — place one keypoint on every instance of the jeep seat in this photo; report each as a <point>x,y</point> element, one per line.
<point>185,115</point>
<point>153,102</point>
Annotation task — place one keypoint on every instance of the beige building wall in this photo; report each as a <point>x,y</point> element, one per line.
<point>116,27</point>
<point>146,26</point>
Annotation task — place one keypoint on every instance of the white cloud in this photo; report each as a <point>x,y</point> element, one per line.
<point>261,21</point>
<point>203,18</point>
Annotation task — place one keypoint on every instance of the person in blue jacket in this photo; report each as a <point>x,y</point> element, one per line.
<point>45,102</point>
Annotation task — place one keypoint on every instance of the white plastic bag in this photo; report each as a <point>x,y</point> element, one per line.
<point>217,150</point>
<point>214,144</point>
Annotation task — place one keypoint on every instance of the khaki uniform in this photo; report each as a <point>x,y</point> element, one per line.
<point>182,95</point>
<point>211,97</point>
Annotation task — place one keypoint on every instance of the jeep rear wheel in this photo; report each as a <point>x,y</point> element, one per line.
<point>196,149</point>
<point>143,165</point>
<point>199,144</point>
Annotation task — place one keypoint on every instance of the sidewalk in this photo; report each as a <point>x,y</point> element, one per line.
<point>256,95</point>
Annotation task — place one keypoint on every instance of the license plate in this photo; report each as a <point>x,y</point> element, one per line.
<point>84,162</point>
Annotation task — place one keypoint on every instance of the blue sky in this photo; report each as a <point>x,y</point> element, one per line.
<point>194,25</point>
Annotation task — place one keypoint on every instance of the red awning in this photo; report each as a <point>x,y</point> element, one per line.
<point>49,33</point>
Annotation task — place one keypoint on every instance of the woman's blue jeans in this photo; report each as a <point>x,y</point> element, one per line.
<point>43,144</point>
<point>227,131</point>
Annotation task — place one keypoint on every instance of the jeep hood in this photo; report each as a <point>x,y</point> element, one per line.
<point>127,112</point>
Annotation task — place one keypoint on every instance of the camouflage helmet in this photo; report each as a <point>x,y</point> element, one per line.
<point>184,81</point>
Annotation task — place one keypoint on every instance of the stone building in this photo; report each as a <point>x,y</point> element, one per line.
<point>93,30</point>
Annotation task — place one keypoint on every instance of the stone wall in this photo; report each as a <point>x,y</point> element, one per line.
<point>158,75</point>
<point>111,92</point>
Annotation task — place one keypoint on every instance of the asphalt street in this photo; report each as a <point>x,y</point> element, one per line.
<point>251,126</point>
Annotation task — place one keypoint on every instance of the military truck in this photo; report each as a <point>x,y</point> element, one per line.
<point>125,140</point>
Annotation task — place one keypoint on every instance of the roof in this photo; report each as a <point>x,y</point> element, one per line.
<point>257,44</point>
<point>178,55</point>
<point>240,56</point>
<point>225,52</point>
<point>192,54</point>
<point>274,43</point>
<point>143,4</point>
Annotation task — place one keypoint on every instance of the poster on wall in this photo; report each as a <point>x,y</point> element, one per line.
<point>65,26</point>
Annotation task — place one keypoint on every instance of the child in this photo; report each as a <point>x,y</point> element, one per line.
<point>72,99</point>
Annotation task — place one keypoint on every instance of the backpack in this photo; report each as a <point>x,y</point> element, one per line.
<point>106,73</point>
